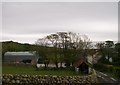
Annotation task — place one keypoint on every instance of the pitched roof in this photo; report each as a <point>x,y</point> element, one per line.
<point>79,62</point>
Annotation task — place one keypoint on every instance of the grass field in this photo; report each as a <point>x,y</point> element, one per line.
<point>12,69</point>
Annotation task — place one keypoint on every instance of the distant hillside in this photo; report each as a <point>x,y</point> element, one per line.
<point>8,42</point>
<point>15,46</point>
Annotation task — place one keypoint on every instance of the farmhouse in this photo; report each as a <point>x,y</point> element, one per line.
<point>21,57</point>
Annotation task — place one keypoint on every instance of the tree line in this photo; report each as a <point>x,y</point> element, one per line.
<point>67,47</point>
<point>110,52</point>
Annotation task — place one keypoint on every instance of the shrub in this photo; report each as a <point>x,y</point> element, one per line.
<point>108,68</point>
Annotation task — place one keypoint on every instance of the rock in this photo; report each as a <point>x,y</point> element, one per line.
<point>17,81</point>
<point>13,81</point>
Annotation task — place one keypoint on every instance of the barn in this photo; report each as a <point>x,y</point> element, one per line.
<point>21,57</point>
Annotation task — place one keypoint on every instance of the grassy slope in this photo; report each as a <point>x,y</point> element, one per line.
<point>32,71</point>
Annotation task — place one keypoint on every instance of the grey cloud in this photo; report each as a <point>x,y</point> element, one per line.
<point>27,18</point>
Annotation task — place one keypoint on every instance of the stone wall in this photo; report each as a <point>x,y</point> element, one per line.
<point>48,79</point>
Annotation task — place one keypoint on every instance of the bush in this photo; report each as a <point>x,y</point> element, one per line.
<point>116,72</point>
<point>108,68</point>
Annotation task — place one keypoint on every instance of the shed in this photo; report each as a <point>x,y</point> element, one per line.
<point>21,57</point>
<point>81,65</point>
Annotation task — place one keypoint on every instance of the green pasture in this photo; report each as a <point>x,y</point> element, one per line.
<point>31,70</point>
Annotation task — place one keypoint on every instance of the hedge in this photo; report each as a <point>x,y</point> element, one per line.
<point>108,68</point>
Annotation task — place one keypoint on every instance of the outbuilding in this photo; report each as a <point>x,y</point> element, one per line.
<point>81,66</point>
<point>21,57</point>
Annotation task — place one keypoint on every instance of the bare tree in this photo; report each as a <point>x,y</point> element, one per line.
<point>78,44</point>
<point>67,46</point>
<point>43,42</point>
<point>53,38</point>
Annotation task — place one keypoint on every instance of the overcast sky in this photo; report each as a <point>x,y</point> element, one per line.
<point>25,22</point>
